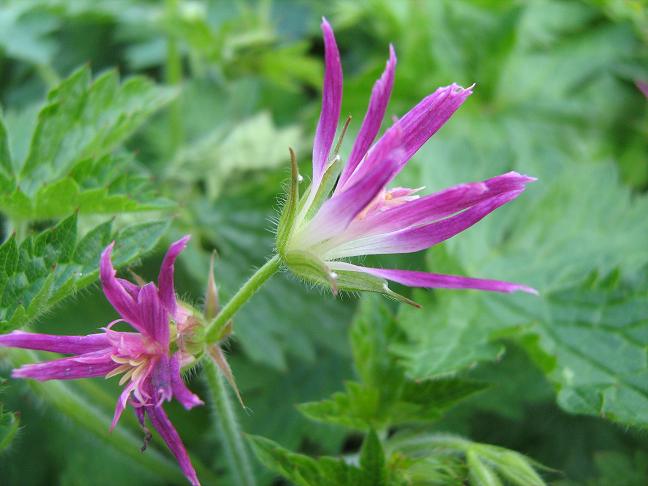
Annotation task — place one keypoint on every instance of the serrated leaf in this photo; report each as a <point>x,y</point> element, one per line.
<point>385,398</point>
<point>595,336</point>
<point>70,165</point>
<point>53,265</point>
<point>303,470</point>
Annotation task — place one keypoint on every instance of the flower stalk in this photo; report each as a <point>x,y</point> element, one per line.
<point>218,324</point>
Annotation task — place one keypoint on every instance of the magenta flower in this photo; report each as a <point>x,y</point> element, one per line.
<point>148,360</point>
<point>349,211</point>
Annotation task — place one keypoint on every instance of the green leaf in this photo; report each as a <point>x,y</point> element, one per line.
<point>550,238</point>
<point>485,464</point>
<point>45,269</point>
<point>9,424</point>
<point>372,461</point>
<point>385,398</point>
<point>591,344</point>
<point>24,33</point>
<point>70,164</point>
<point>253,144</point>
<point>303,470</point>
<point>107,185</point>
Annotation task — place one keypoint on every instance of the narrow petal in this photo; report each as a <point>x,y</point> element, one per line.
<point>167,431</point>
<point>643,87</point>
<point>161,380</point>
<point>165,278</point>
<point>436,280</point>
<point>380,95</point>
<point>68,368</point>
<point>120,297</point>
<point>180,390</point>
<point>122,401</point>
<point>331,104</point>
<point>438,205</point>
<point>53,343</point>
<point>338,212</point>
<point>152,315</point>
<point>416,127</point>
<point>418,238</point>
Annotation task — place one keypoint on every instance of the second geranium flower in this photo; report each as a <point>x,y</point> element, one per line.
<point>348,211</point>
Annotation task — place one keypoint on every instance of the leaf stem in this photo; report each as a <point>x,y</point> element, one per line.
<point>236,453</point>
<point>244,294</point>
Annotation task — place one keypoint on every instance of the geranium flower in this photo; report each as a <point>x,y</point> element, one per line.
<point>349,211</point>
<point>148,360</point>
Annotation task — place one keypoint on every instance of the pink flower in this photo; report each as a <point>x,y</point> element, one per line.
<point>349,210</point>
<point>148,360</point>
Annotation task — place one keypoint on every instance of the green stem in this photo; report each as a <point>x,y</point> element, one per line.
<point>244,294</point>
<point>236,452</point>
<point>173,73</point>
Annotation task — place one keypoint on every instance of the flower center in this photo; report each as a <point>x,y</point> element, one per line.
<point>389,199</point>
<point>134,370</point>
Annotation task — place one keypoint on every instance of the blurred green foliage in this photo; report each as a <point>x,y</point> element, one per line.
<point>195,131</point>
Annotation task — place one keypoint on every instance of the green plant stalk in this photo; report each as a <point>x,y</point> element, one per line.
<point>236,452</point>
<point>173,75</point>
<point>244,294</point>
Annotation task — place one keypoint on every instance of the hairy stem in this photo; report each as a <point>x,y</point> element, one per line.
<point>236,452</point>
<point>244,294</point>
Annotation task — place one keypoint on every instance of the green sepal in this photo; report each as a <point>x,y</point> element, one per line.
<point>313,269</point>
<point>329,178</point>
<point>287,219</point>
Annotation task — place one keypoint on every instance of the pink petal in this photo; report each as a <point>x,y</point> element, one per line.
<point>416,127</point>
<point>161,380</point>
<point>380,95</point>
<point>418,238</point>
<point>121,297</point>
<point>122,401</point>
<point>165,278</point>
<point>85,366</point>
<point>338,212</point>
<point>436,280</point>
<point>53,343</point>
<point>438,205</point>
<point>331,104</point>
<point>180,390</point>
<point>166,430</point>
<point>152,315</point>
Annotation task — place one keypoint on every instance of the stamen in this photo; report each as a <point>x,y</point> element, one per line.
<point>117,371</point>
<point>127,376</point>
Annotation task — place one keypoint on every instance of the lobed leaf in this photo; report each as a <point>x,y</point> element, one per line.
<point>44,269</point>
